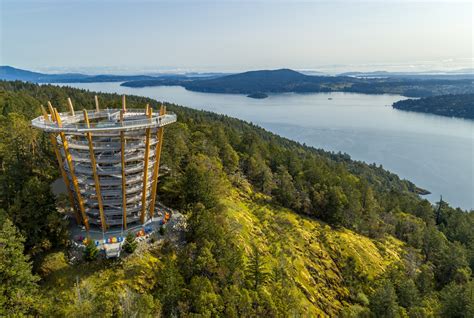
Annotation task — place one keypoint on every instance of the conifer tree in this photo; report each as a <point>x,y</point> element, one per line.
<point>130,244</point>
<point>256,270</point>
<point>17,283</point>
<point>91,251</point>
<point>383,302</point>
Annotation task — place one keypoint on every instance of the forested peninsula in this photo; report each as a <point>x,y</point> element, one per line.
<point>461,105</point>
<point>274,229</point>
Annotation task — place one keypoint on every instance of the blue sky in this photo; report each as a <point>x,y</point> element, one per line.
<point>235,35</point>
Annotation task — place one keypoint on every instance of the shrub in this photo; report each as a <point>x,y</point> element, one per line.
<point>130,244</point>
<point>91,251</point>
<point>162,230</point>
<point>52,263</point>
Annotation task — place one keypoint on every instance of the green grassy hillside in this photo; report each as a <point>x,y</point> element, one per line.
<point>311,253</point>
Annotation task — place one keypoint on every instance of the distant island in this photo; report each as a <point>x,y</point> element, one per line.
<point>256,84</point>
<point>286,80</point>
<point>460,105</point>
<point>258,95</point>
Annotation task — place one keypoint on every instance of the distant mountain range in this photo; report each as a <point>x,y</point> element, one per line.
<point>259,83</point>
<point>9,73</point>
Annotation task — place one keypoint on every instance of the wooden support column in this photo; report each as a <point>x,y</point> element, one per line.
<point>46,115</point>
<point>71,108</point>
<point>156,168</point>
<point>75,184</point>
<point>97,109</point>
<point>94,172</point>
<point>145,165</point>
<point>52,136</point>
<point>124,179</point>
<point>124,104</point>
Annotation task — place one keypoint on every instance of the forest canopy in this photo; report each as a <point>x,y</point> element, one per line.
<point>274,229</point>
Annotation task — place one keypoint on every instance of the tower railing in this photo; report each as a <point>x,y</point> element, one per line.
<point>72,122</point>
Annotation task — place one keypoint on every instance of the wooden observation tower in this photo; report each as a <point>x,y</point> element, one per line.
<point>109,160</point>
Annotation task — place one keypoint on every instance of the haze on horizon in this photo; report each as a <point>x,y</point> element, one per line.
<point>134,36</point>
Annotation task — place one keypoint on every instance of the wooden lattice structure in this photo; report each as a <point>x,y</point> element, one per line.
<point>109,160</point>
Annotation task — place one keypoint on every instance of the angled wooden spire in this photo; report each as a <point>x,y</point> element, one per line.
<point>156,168</point>
<point>71,108</point>
<point>97,109</point>
<point>124,103</point>
<point>70,164</point>
<point>94,172</point>
<point>61,167</point>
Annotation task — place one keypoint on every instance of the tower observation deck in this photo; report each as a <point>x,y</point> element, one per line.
<point>109,160</point>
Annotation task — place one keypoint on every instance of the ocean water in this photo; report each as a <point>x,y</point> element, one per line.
<point>434,152</point>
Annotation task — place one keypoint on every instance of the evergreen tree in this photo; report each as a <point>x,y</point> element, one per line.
<point>130,244</point>
<point>383,302</point>
<point>44,227</point>
<point>170,286</point>
<point>457,300</point>
<point>229,158</point>
<point>285,191</point>
<point>425,279</point>
<point>90,252</point>
<point>336,206</point>
<point>202,182</point>
<point>256,270</point>
<point>407,293</point>
<point>267,182</point>
<point>451,263</point>
<point>203,298</point>
<point>17,284</point>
